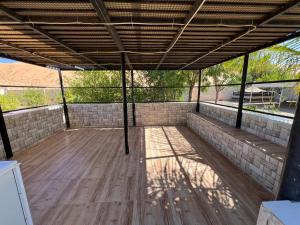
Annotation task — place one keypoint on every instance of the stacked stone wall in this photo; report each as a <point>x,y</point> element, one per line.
<point>264,166</point>
<point>272,128</point>
<point>111,115</point>
<point>27,127</point>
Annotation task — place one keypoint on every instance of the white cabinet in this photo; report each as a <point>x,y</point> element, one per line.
<point>14,209</point>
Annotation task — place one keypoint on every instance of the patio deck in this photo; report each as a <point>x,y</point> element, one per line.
<point>171,176</point>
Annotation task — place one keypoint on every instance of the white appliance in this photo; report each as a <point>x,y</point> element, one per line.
<point>14,208</point>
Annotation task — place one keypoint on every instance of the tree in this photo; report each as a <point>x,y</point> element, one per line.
<point>219,76</point>
<point>33,97</point>
<point>155,85</point>
<point>191,77</point>
<point>279,62</point>
<point>169,85</point>
<point>9,102</point>
<point>95,86</point>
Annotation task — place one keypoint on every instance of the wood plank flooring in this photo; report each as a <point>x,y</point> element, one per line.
<point>170,177</point>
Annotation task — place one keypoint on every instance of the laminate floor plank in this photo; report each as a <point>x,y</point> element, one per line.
<point>170,177</point>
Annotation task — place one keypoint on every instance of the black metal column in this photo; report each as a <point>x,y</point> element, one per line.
<point>123,68</point>
<point>4,136</point>
<point>290,184</point>
<point>242,93</point>
<point>64,99</point>
<point>132,99</point>
<point>199,90</point>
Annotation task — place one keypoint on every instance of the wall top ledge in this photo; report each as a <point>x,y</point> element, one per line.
<point>249,113</point>
<point>25,111</point>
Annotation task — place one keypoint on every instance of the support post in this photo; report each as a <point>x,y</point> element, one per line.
<point>132,100</point>
<point>64,99</point>
<point>5,138</point>
<point>199,90</point>
<point>242,92</point>
<point>125,116</point>
<point>290,181</point>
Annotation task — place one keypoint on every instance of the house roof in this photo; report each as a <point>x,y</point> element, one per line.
<point>154,34</point>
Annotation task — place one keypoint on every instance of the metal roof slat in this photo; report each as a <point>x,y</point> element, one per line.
<point>18,18</point>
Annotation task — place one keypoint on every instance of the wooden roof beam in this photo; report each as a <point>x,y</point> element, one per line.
<point>193,12</point>
<point>268,18</point>
<point>44,33</point>
<point>102,13</point>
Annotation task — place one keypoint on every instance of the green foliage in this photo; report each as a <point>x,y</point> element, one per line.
<point>251,107</point>
<point>279,62</point>
<point>219,75</point>
<point>9,102</point>
<point>276,63</point>
<point>160,80</point>
<point>157,85</point>
<point>26,98</point>
<point>91,81</point>
<point>33,97</point>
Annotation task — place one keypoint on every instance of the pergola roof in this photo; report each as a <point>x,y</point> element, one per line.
<point>154,34</point>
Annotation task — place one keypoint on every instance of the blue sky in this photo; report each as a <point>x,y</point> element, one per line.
<point>4,60</point>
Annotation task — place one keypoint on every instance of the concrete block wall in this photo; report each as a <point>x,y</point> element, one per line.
<point>98,115</point>
<point>27,127</point>
<point>111,115</point>
<point>172,113</point>
<point>226,115</point>
<point>265,169</point>
<point>272,128</point>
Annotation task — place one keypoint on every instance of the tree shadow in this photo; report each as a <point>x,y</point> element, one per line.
<point>182,169</point>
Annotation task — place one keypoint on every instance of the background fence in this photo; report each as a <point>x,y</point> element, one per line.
<point>273,97</point>
<point>276,98</point>
<point>24,97</point>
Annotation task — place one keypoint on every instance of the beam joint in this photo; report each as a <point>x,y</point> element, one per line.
<point>193,12</point>
<point>103,16</point>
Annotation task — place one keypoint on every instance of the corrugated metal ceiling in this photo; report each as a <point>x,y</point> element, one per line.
<point>76,35</point>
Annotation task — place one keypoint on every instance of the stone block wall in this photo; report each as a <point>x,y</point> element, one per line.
<point>172,113</point>
<point>98,115</point>
<point>26,127</point>
<point>264,168</point>
<point>272,128</point>
<point>111,115</point>
<point>224,114</point>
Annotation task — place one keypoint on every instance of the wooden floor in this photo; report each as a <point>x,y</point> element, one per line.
<point>83,177</point>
